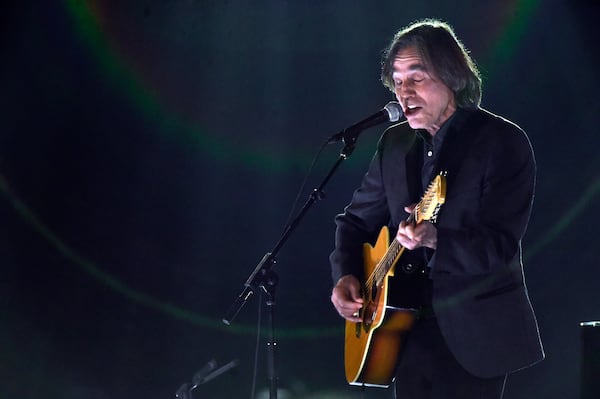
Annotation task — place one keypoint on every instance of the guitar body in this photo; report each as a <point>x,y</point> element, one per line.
<point>373,346</point>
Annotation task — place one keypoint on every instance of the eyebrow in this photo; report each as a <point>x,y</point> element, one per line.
<point>417,66</point>
<point>412,68</point>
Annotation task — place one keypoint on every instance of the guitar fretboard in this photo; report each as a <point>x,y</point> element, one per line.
<point>426,209</point>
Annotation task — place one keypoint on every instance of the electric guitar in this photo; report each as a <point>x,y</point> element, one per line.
<point>372,345</point>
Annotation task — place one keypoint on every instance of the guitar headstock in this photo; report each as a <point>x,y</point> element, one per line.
<point>434,197</point>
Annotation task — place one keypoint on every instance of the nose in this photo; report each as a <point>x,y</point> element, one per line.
<point>404,89</point>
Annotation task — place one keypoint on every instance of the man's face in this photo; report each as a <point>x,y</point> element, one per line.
<point>426,101</point>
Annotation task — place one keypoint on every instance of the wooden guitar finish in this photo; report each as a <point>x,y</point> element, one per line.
<point>372,347</point>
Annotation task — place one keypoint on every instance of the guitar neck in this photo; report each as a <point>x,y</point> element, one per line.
<point>426,209</point>
<point>388,261</point>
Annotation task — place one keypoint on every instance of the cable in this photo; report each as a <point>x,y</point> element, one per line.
<point>303,185</point>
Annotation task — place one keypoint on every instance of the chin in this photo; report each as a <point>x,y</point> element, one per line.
<point>415,124</point>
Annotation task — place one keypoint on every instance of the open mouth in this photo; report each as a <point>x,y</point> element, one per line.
<point>411,110</point>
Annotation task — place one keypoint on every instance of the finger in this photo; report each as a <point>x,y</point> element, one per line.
<point>409,231</point>
<point>345,307</point>
<point>355,294</point>
<point>354,319</point>
<point>406,241</point>
<point>353,316</point>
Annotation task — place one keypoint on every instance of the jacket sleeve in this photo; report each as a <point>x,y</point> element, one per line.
<point>360,222</point>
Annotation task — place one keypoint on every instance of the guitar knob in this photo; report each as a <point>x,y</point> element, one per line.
<point>408,268</point>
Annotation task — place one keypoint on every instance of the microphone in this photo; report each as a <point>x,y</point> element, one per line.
<point>205,371</point>
<point>201,378</point>
<point>205,374</point>
<point>392,112</point>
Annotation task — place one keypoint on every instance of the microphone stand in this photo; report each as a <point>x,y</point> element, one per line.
<point>264,279</point>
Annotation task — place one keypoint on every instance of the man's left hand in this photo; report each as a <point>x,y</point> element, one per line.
<point>413,236</point>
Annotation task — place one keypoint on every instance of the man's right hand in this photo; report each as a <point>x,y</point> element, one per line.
<point>346,298</point>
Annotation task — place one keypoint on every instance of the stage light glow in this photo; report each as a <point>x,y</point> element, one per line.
<point>89,24</point>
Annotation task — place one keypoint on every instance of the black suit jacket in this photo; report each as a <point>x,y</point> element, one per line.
<point>479,294</point>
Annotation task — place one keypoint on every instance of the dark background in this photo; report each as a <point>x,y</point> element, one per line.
<point>150,153</point>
